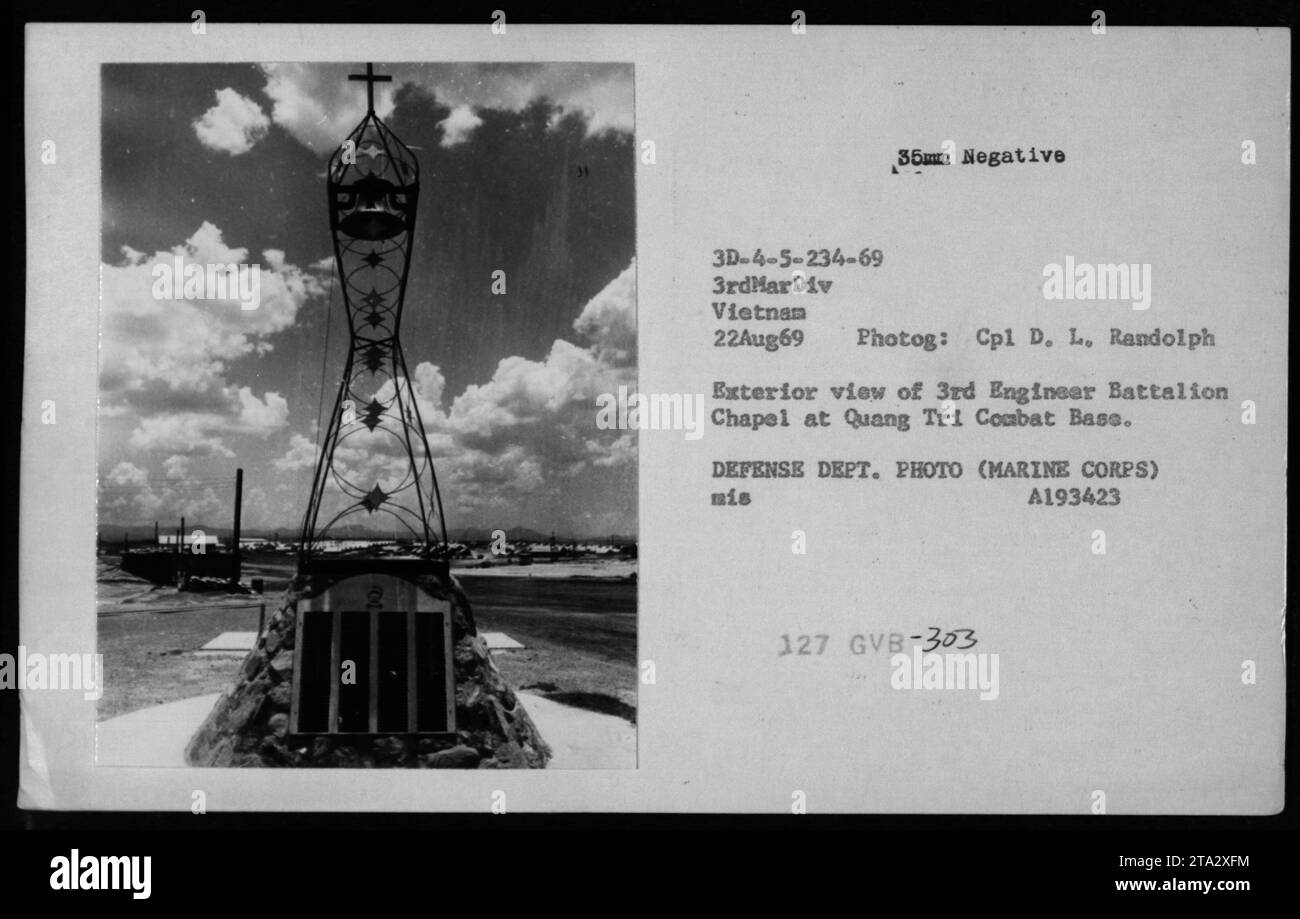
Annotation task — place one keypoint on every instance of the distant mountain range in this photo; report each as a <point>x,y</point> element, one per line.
<point>110,533</point>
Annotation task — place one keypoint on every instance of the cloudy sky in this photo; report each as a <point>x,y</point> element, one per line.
<point>525,168</point>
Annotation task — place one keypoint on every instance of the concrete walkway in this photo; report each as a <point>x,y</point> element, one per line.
<point>581,739</point>
<point>157,736</point>
<point>153,736</point>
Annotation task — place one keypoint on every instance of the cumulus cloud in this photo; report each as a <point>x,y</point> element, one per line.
<point>191,432</point>
<point>534,421</point>
<point>620,452</point>
<point>201,432</point>
<point>166,360</point>
<point>125,473</point>
<point>259,416</point>
<point>301,455</point>
<point>521,431</point>
<point>602,92</point>
<point>316,103</point>
<point>256,509</point>
<point>128,496</point>
<point>609,320</point>
<point>607,105</point>
<point>526,394</point>
<point>234,125</point>
<point>457,126</point>
<point>176,466</point>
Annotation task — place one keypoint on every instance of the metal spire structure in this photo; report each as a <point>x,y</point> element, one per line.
<point>374,460</point>
<point>424,692</point>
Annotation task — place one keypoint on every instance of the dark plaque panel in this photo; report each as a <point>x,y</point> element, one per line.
<point>375,670</point>
<point>354,646</point>
<point>431,672</point>
<point>313,670</point>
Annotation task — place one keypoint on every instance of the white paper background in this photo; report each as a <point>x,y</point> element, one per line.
<point>1119,673</point>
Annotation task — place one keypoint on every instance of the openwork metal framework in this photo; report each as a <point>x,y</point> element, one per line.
<point>375,467</point>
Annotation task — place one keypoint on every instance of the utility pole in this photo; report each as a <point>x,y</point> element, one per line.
<point>239,504</point>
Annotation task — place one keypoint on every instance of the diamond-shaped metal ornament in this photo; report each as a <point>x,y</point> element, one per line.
<point>374,499</point>
<point>373,411</point>
<point>374,358</point>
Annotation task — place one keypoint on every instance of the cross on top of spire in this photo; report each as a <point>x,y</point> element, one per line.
<point>371,79</point>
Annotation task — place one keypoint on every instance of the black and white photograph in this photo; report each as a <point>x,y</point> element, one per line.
<point>354,507</point>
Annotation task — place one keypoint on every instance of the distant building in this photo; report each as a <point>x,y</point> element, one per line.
<point>207,541</point>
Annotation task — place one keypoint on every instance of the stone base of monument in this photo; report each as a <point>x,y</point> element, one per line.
<point>261,721</point>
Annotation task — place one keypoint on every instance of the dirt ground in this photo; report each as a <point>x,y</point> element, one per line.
<point>579,637</point>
